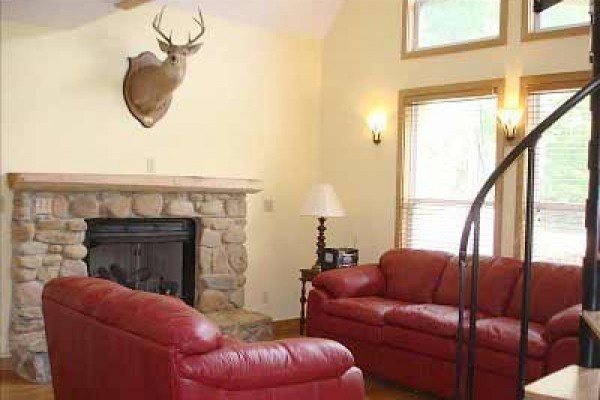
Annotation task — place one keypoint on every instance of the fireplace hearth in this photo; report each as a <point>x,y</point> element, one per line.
<point>154,255</point>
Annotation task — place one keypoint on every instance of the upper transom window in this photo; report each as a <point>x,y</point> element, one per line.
<point>569,17</point>
<point>443,26</point>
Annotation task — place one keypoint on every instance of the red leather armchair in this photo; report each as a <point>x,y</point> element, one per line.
<point>108,342</point>
<point>399,318</point>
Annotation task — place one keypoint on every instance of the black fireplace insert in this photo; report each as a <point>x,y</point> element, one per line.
<point>154,255</point>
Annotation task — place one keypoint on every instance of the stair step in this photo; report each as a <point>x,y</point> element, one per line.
<point>592,318</point>
<point>570,383</point>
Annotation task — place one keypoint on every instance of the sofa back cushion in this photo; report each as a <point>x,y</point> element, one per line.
<point>497,278</point>
<point>412,275</point>
<point>160,319</point>
<point>554,287</point>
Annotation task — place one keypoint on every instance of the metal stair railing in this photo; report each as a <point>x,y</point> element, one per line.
<point>528,144</point>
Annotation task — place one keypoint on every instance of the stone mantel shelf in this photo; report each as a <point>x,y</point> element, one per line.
<point>130,183</point>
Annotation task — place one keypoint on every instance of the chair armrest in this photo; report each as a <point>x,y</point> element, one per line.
<point>564,324</point>
<point>365,280</point>
<point>262,365</point>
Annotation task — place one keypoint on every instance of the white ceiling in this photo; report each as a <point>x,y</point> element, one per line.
<point>310,17</point>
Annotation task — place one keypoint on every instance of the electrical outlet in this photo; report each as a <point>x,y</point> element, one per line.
<point>269,206</point>
<point>265,298</point>
<point>150,165</point>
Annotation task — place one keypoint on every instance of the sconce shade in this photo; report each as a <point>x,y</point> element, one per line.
<point>322,201</point>
<point>510,118</point>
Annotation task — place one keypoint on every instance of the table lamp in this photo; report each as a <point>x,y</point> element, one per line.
<point>322,202</point>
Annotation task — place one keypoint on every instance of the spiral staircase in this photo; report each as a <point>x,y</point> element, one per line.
<point>580,382</point>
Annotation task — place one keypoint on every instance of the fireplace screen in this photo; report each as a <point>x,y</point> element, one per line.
<point>154,255</point>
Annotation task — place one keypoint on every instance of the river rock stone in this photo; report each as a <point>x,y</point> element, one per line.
<point>28,293</point>
<point>32,248</point>
<point>205,260</point>
<point>75,251</point>
<point>73,268</point>
<point>60,207</point>
<point>238,258</point>
<point>210,238</point>
<point>23,231</point>
<point>213,207</point>
<point>148,205</point>
<point>28,312</point>
<point>52,260</point>
<point>85,206</point>
<point>77,225</point>
<point>219,224</point>
<point>237,297</point>
<point>235,207</point>
<point>180,208</point>
<point>235,234</point>
<point>55,249</point>
<point>118,206</point>
<point>51,224</point>
<point>218,281</point>
<point>32,262</point>
<point>220,264</point>
<point>45,274</point>
<point>23,274</point>
<point>59,237</point>
<point>20,325</point>
<point>213,300</point>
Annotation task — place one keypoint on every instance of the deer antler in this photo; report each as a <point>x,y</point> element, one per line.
<point>156,25</point>
<point>202,29</point>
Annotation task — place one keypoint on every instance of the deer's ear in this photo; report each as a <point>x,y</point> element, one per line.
<point>164,46</point>
<point>193,49</point>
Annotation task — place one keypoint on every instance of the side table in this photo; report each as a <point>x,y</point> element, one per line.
<point>306,275</point>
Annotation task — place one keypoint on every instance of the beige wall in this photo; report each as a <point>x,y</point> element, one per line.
<point>249,107</point>
<point>362,72</point>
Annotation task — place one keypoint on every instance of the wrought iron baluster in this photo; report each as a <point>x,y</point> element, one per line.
<point>525,300</point>
<point>473,307</point>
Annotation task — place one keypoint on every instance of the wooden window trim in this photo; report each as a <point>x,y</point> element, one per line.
<point>528,35</point>
<point>408,22</point>
<point>536,83</point>
<point>458,90</point>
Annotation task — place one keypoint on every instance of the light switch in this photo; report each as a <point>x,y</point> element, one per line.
<point>269,206</point>
<point>150,165</point>
<point>43,205</point>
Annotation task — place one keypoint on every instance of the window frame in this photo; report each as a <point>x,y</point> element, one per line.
<point>451,91</point>
<point>529,84</point>
<point>527,21</point>
<point>408,25</point>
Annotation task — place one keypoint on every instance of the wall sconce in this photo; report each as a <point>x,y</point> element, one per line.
<point>377,125</point>
<point>509,118</point>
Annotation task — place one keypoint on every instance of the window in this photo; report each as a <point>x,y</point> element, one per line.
<point>447,152</point>
<point>567,18</point>
<point>443,26</point>
<point>561,175</point>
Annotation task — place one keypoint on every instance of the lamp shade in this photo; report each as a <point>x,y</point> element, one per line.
<point>322,201</point>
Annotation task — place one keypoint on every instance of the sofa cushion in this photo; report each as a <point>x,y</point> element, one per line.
<point>365,280</point>
<point>420,342</point>
<point>503,334</point>
<point>434,319</point>
<point>412,275</point>
<point>337,327</point>
<point>564,324</point>
<point>554,288</point>
<point>368,310</point>
<point>497,278</point>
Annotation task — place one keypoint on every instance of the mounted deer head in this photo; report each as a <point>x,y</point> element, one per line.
<point>149,83</point>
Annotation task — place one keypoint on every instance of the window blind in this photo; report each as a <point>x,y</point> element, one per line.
<point>449,151</point>
<point>561,178</point>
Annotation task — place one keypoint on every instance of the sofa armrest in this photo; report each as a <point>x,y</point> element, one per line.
<point>564,324</point>
<point>262,365</point>
<point>365,280</point>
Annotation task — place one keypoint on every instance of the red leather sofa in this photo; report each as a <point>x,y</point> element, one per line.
<point>399,319</point>
<point>108,342</point>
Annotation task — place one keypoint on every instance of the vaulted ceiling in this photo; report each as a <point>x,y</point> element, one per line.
<point>309,17</point>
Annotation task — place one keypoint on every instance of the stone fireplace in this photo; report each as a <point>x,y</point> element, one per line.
<point>51,215</point>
